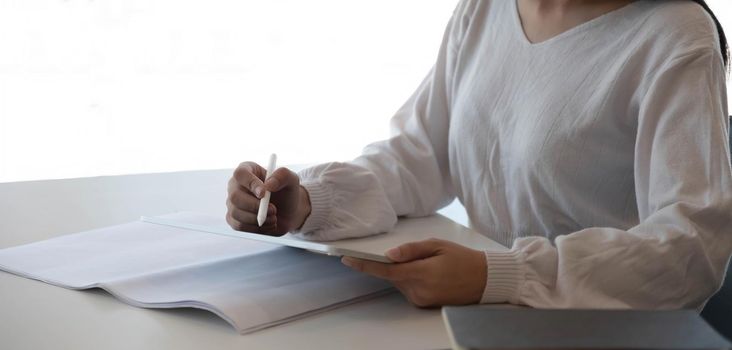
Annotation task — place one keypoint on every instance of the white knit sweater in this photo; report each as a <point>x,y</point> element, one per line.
<point>600,155</point>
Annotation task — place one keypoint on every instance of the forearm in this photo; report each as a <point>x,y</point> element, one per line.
<point>342,200</point>
<point>653,265</point>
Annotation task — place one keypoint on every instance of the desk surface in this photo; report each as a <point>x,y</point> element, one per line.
<point>35,315</point>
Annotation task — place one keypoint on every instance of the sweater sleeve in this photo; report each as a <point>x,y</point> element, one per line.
<point>405,175</point>
<point>677,255</point>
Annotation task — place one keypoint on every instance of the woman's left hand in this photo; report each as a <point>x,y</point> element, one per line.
<point>432,272</point>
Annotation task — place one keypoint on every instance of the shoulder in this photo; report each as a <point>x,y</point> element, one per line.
<point>467,10</point>
<point>680,55</point>
<point>679,27</point>
<point>667,35</point>
<point>466,13</point>
<point>473,17</point>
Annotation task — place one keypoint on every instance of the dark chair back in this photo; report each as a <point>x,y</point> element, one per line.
<point>718,311</point>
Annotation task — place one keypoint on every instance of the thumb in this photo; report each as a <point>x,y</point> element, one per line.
<point>415,250</point>
<point>280,179</point>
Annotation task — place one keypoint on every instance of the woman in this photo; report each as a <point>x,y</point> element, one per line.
<point>591,136</point>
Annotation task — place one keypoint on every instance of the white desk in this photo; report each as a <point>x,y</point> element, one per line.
<point>35,315</point>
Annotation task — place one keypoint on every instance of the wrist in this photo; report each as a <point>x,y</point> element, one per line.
<point>303,208</point>
<point>504,276</point>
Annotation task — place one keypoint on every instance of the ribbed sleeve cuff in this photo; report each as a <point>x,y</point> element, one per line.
<point>320,206</point>
<point>505,276</point>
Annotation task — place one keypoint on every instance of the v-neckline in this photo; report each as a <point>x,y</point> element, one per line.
<point>519,28</point>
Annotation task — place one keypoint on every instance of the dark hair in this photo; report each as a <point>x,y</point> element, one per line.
<point>722,38</point>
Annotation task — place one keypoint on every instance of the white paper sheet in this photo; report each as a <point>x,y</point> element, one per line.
<point>252,285</point>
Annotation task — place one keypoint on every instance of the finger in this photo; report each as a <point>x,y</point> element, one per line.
<point>243,217</point>
<point>249,218</point>
<point>280,179</point>
<point>233,223</point>
<point>244,201</point>
<point>415,250</point>
<point>237,225</point>
<point>234,186</point>
<point>267,229</point>
<point>250,175</point>
<point>264,229</point>
<point>392,272</point>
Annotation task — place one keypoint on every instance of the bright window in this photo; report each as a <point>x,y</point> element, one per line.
<point>132,86</point>
<point>119,86</point>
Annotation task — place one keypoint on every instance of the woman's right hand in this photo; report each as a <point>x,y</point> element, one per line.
<point>289,203</point>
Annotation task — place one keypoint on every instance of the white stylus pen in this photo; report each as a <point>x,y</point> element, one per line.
<point>264,203</point>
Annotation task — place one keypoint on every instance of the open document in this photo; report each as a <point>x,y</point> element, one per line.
<point>250,284</point>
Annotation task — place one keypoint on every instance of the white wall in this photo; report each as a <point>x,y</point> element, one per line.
<point>129,86</point>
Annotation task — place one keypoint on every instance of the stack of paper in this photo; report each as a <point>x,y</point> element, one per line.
<point>252,285</point>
